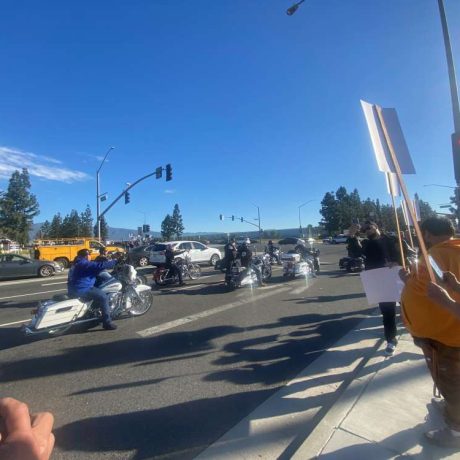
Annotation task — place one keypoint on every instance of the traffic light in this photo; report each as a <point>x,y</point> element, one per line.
<point>168,172</point>
<point>127,198</point>
<point>146,228</point>
<point>158,172</point>
<point>456,153</point>
<point>221,217</point>
<point>241,219</point>
<point>233,217</point>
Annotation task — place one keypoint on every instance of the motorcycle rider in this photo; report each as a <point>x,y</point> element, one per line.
<point>354,247</point>
<point>81,280</point>
<point>103,256</point>
<point>230,254</point>
<point>245,255</point>
<point>171,265</point>
<point>270,250</point>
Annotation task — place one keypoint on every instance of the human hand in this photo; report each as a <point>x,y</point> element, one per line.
<point>451,280</point>
<point>24,437</point>
<point>438,294</point>
<point>404,274</point>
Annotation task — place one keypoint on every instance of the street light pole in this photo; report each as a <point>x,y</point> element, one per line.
<point>258,220</point>
<point>98,196</point>
<point>300,222</point>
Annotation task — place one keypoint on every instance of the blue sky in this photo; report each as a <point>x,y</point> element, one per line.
<point>250,106</point>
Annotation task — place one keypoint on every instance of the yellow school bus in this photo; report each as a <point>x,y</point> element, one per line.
<point>64,250</point>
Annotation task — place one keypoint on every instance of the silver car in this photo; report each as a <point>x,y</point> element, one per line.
<point>198,252</point>
<point>16,266</point>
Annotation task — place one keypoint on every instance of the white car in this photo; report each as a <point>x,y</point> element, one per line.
<point>338,239</point>
<point>198,252</point>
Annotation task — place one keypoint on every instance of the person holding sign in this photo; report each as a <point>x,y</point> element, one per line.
<point>434,320</point>
<point>380,250</point>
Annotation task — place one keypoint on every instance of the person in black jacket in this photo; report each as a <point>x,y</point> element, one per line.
<point>245,255</point>
<point>381,250</point>
<point>171,265</point>
<point>230,254</point>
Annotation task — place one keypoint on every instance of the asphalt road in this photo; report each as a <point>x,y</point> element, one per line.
<point>168,384</point>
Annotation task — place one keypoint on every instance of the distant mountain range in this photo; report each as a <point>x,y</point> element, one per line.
<point>123,234</point>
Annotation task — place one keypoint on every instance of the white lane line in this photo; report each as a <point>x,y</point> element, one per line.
<point>50,284</point>
<point>15,322</point>
<point>29,280</point>
<point>184,288</point>
<point>32,293</point>
<point>213,311</point>
<point>302,288</point>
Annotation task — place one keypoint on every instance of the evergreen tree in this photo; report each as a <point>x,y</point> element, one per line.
<point>177,222</point>
<point>71,225</point>
<point>86,221</point>
<point>18,207</point>
<point>44,231</point>
<point>167,227</point>
<point>56,226</point>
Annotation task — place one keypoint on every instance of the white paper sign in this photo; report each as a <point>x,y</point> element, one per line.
<point>382,153</point>
<point>393,184</point>
<point>382,285</point>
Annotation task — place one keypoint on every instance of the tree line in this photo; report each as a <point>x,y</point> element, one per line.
<point>340,209</point>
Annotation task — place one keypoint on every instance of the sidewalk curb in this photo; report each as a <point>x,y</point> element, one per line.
<point>339,410</point>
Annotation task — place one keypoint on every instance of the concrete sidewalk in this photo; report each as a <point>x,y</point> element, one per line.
<point>382,414</point>
<point>351,403</point>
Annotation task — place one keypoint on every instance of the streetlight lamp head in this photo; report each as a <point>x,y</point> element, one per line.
<point>290,11</point>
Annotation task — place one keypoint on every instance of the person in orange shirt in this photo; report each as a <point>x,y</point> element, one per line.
<point>435,328</point>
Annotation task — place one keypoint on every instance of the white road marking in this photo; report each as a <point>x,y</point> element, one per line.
<point>15,322</point>
<point>30,280</point>
<point>303,287</point>
<point>50,284</point>
<point>213,311</point>
<point>32,293</point>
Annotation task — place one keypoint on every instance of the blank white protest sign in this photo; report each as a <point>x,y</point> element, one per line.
<point>382,285</point>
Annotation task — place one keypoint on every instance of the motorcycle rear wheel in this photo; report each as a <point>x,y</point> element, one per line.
<point>141,306</point>
<point>194,271</point>
<point>160,281</point>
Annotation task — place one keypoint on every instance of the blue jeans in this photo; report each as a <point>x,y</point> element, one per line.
<point>100,301</point>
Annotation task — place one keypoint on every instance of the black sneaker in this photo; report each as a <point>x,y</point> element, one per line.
<point>109,326</point>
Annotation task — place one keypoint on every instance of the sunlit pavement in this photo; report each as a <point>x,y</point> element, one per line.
<point>171,383</point>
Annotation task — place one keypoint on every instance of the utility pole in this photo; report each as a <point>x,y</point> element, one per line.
<point>98,197</point>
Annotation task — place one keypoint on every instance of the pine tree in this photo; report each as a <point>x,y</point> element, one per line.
<point>18,207</point>
<point>177,223</point>
<point>167,227</point>
<point>44,231</point>
<point>71,225</point>
<point>56,226</point>
<point>86,219</point>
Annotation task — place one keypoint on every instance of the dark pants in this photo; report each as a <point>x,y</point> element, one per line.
<point>175,270</point>
<point>100,300</point>
<point>388,310</point>
<point>444,364</point>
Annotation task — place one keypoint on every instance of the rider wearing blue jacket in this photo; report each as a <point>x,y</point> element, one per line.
<point>80,283</point>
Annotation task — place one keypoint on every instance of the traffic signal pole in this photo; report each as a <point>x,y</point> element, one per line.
<point>121,195</point>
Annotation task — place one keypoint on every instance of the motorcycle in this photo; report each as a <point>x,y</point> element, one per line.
<point>56,316</point>
<point>294,265</point>
<point>162,276</point>
<point>352,264</point>
<point>274,256</point>
<point>263,263</point>
<point>311,256</point>
<point>239,276</point>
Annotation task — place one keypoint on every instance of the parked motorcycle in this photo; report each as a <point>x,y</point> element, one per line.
<point>56,316</point>
<point>274,256</point>
<point>162,276</point>
<point>352,264</point>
